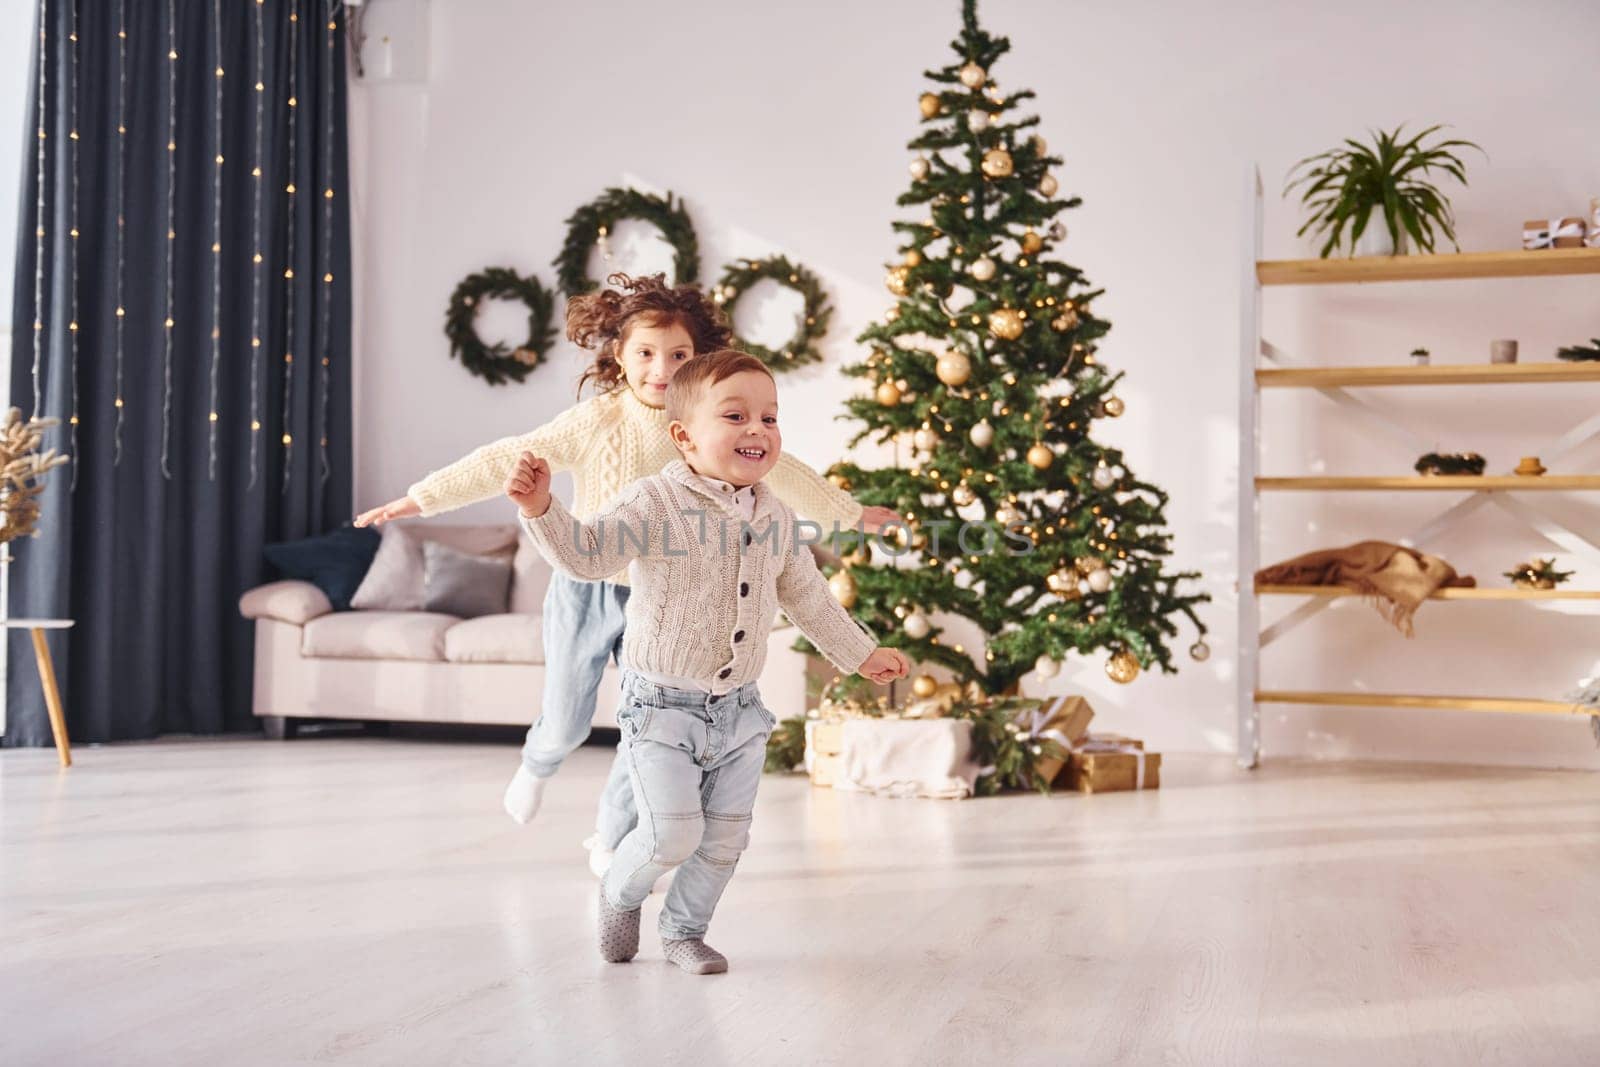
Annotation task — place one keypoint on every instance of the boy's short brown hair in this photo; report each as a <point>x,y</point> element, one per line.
<point>690,385</point>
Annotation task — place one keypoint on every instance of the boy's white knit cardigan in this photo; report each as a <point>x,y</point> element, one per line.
<point>706,584</point>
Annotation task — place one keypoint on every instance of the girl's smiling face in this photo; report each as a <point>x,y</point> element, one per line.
<point>650,356</point>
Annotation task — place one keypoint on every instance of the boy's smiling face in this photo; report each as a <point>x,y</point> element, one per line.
<point>732,432</point>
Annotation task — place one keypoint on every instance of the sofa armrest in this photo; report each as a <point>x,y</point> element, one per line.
<point>289,601</point>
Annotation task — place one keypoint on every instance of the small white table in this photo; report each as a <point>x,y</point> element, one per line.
<point>47,678</point>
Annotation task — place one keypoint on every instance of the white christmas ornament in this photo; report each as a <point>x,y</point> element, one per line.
<point>1048,185</point>
<point>925,439</point>
<point>916,626</point>
<point>1104,477</point>
<point>1045,667</point>
<point>977,121</point>
<point>919,168</point>
<point>971,75</point>
<point>981,434</point>
<point>983,269</point>
<point>1100,581</point>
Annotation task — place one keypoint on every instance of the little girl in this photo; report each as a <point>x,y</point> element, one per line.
<point>641,333</point>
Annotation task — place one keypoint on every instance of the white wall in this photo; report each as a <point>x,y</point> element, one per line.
<point>784,126</point>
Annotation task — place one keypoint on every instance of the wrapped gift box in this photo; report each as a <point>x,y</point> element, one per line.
<point>1064,721</point>
<point>824,771</point>
<point>824,740</point>
<point>907,758</point>
<point>1108,763</point>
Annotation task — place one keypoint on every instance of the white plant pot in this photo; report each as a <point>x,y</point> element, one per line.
<point>1376,240</point>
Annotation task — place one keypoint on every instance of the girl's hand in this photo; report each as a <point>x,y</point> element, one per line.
<point>529,485</point>
<point>885,665</point>
<point>874,519</point>
<point>403,508</point>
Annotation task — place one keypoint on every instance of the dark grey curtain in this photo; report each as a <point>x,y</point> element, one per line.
<point>194,441</point>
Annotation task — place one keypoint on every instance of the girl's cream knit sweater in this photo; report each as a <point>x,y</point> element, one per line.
<point>706,584</point>
<point>610,441</point>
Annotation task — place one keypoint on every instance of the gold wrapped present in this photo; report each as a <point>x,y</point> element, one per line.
<point>1064,721</point>
<point>1108,763</point>
<point>825,770</point>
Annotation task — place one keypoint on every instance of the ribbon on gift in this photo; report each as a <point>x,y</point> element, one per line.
<point>1092,745</point>
<point>1545,234</point>
<point>1038,719</point>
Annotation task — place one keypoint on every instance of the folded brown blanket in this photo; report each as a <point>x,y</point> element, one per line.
<point>1395,579</point>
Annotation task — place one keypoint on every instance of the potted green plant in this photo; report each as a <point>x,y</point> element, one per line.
<point>1373,199</point>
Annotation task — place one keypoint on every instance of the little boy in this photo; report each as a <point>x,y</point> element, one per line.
<point>713,555</point>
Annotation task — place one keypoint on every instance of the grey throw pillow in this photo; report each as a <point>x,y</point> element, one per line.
<point>464,585</point>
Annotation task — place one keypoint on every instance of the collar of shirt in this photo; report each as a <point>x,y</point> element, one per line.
<point>743,499</point>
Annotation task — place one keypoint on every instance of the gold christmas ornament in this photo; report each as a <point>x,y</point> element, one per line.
<point>962,495</point>
<point>1088,564</point>
<point>1040,145</point>
<point>996,163</point>
<point>913,258</point>
<point>1065,321</point>
<point>1006,324</point>
<point>843,587</point>
<point>929,104</point>
<point>981,434</point>
<point>1199,651</point>
<point>1048,185</point>
<point>1062,581</point>
<point>1031,243</point>
<point>953,368</point>
<point>919,168</point>
<point>896,280</point>
<point>972,75</point>
<point>982,268</point>
<point>839,481</point>
<point>1115,406</point>
<point>923,686</point>
<point>1006,515</point>
<point>888,394</point>
<point>1040,457</point>
<point>891,315</point>
<point>1122,667</point>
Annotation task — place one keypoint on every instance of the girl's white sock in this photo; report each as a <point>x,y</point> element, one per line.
<point>524,795</point>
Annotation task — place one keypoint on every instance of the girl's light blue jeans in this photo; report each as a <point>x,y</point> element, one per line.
<point>583,624</point>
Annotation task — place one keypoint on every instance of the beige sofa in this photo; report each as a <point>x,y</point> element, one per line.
<point>417,666</point>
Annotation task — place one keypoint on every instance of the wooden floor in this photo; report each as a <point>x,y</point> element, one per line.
<point>363,901</point>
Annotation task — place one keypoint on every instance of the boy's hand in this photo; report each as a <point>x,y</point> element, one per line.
<point>874,519</point>
<point>884,665</point>
<point>529,485</point>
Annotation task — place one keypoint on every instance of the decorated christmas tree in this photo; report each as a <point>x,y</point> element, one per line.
<point>985,371</point>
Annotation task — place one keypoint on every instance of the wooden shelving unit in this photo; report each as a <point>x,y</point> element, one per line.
<point>1334,592</point>
<point>1442,374</point>
<point>1437,483</point>
<point>1501,490</point>
<point>1545,263</point>
<point>1412,700</point>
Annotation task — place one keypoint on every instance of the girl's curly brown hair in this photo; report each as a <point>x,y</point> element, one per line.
<point>600,321</point>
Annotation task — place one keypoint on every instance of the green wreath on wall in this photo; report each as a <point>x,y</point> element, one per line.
<point>594,221</point>
<point>810,327</point>
<point>497,364</point>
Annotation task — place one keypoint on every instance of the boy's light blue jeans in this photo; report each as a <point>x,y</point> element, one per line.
<point>695,763</point>
<point>583,624</point>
